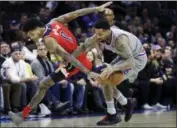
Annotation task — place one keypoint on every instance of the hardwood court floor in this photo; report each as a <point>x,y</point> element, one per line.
<point>147,119</point>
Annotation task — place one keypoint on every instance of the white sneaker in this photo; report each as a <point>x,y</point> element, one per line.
<point>44,110</point>
<point>147,106</point>
<point>161,106</point>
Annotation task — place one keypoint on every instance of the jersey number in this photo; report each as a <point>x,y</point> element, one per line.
<point>65,36</point>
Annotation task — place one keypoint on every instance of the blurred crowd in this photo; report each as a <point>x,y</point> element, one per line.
<point>23,64</point>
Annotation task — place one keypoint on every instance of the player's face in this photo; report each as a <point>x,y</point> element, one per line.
<point>101,34</point>
<point>34,34</point>
<point>109,16</point>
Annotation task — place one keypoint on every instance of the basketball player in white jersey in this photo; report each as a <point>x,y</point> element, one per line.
<point>131,59</point>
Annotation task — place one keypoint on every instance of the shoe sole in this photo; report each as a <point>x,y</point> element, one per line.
<point>111,123</point>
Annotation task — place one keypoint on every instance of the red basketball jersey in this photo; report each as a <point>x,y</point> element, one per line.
<point>66,40</point>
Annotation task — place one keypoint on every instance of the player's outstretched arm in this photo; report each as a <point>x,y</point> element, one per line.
<point>125,52</point>
<point>88,45</point>
<point>81,12</point>
<point>55,48</point>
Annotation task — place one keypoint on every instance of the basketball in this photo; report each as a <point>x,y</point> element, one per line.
<point>114,79</point>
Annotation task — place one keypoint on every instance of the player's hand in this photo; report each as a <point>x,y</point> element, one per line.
<point>103,7</point>
<point>93,75</point>
<point>34,78</point>
<point>94,83</point>
<point>159,81</point>
<point>64,83</point>
<point>106,72</point>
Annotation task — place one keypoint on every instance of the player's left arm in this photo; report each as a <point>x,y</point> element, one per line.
<point>125,52</point>
<point>81,12</point>
<point>55,48</point>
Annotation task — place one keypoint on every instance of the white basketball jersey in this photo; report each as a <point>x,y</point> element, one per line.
<point>134,42</point>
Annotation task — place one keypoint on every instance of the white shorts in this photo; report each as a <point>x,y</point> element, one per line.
<point>131,74</point>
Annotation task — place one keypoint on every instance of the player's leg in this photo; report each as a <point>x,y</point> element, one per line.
<point>43,87</point>
<point>128,104</point>
<point>112,116</point>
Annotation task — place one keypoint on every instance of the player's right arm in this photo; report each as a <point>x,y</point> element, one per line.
<point>81,12</point>
<point>88,45</point>
<point>55,48</point>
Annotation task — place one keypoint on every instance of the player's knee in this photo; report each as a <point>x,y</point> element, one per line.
<point>46,83</point>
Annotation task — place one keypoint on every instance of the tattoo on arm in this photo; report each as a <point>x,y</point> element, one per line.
<point>85,47</point>
<point>125,52</point>
<point>55,48</point>
<point>73,15</point>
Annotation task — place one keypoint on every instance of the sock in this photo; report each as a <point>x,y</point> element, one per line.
<point>121,99</point>
<point>26,111</point>
<point>110,107</point>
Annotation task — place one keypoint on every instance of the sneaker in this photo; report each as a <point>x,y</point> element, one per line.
<point>79,111</point>
<point>16,118</point>
<point>110,119</point>
<point>44,110</point>
<point>62,106</point>
<point>161,106</point>
<point>147,106</point>
<point>129,107</point>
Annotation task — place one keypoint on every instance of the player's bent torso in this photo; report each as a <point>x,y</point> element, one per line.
<point>66,40</point>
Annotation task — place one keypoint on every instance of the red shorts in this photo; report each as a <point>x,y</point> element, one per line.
<point>85,61</point>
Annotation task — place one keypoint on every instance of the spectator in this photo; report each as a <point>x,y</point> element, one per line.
<point>93,87</point>
<point>29,56</point>
<point>14,25</point>
<point>90,31</point>
<point>168,54</point>
<point>169,35</point>
<point>144,82</point>
<point>78,34</point>
<point>23,19</point>
<point>156,78</point>
<point>169,88</point>
<point>13,69</point>
<point>52,5</point>
<point>44,14</point>
<point>109,15</point>
<point>4,54</point>
<point>161,41</point>
<point>28,89</point>
<point>4,51</point>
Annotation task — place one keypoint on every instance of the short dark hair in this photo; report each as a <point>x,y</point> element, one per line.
<point>2,42</point>
<point>102,24</point>
<point>32,24</point>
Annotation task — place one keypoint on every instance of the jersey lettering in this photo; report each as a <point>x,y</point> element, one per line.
<point>64,35</point>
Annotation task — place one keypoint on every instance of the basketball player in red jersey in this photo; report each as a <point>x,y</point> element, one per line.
<point>60,41</point>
